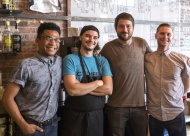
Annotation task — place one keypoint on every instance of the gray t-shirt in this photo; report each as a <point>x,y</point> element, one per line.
<point>127,65</point>
<point>40,81</point>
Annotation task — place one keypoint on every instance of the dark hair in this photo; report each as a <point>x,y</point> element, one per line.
<point>163,25</point>
<point>47,26</point>
<point>125,16</point>
<point>89,27</point>
<point>84,29</point>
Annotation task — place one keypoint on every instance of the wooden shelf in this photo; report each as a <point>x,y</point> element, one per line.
<point>10,12</point>
<point>17,14</point>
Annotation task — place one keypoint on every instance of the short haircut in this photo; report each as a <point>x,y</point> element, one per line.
<point>84,29</point>
<point>125,16</point>
<point>47,26</point>
<point>164,25</point>
<point>89,27</point>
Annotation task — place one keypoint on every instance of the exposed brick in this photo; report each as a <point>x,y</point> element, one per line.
<point>28,28</point>
<point>20,5</point>
<point>23,23</point>
<point>34,23</point>
<point>29,37</point>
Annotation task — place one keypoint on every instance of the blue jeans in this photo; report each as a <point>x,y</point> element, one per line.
<point>49,130</point>
<point>135,117</point>
<point>175,127</point>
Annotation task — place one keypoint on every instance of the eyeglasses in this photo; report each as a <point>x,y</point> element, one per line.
<point>50,39</point>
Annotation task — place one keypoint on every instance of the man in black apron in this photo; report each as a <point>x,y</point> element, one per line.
<point>87,80</point>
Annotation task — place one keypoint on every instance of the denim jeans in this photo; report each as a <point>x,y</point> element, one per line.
<point>49,130</point>
<point>135,117</point>
<point>175,127</point>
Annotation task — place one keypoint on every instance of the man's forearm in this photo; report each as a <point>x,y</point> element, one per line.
<point>79,89</point>
<point>97,94</point>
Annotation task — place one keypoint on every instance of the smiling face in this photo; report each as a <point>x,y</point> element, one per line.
<point>124,29</point>
<point>48,48</point>
<point>164,37</point>
<point>89,40</point>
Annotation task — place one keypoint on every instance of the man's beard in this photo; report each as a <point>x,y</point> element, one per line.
<point>88,49</point>
<point>124,39</point>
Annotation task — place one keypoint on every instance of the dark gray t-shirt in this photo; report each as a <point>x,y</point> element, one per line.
<point>127,65</point>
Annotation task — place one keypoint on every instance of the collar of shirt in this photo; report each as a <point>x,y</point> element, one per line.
<point>46,60</point>
<point>166,53</point>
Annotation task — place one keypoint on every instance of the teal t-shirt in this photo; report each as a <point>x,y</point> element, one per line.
<point>72,65</point>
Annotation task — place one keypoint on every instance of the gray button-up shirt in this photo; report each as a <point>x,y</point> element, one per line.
<point>40,81</point>
<point>164,73</point>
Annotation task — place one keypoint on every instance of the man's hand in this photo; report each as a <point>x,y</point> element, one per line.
<point>188,61</point>
<point>100,82</point>
<point>76,81</point>
<point>31,128</point>
<point>184,98</point>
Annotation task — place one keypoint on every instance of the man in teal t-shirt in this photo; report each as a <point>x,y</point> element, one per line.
<point>87,79</point>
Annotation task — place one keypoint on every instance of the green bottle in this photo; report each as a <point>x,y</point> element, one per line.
<point>7,38</point>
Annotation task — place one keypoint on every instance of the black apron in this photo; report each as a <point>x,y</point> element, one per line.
<point>83,115</point>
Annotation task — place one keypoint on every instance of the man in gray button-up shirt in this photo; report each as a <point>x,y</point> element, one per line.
<point>168,78</point>
<point>31,96</point>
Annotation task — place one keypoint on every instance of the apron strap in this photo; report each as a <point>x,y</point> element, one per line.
<point>81,62</point>
<point>98,65</point>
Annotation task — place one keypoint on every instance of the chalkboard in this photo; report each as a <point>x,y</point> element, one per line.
<point>148,14</point>
<point>154,10</point>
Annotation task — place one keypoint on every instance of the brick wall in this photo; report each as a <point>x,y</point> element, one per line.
<point>27,28</point>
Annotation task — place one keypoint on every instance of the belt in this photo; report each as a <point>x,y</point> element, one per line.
<point>43,123</point>
<point>47,122</point>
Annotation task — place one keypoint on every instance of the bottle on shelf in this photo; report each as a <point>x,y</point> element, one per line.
<point>16,38</point>
<point>5,4</point>
<point>1,86</point>
<point>11,5</point>
<point>1,42</point>
<point>7,38</point>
